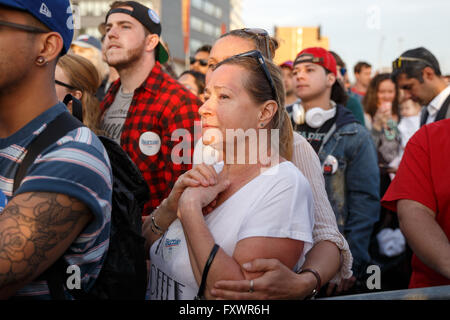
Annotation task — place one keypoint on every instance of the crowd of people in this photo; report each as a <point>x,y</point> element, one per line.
<point>329,178</point>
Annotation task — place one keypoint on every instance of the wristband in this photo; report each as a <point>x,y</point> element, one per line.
<point>155,228</point>
<point>318,284</point>
<point>200,295</point>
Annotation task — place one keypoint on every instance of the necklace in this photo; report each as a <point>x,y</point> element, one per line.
<point>391,131</point>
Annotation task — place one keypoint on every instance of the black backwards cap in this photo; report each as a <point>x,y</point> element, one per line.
<point>149,19</point>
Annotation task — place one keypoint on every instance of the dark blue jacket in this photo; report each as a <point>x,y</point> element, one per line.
<point>353,190</point>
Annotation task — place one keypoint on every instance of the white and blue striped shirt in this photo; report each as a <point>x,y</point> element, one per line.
<point>76,165</point>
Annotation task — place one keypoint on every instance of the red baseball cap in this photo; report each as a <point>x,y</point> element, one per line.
<point>287,64</point>
<point>318,56</point>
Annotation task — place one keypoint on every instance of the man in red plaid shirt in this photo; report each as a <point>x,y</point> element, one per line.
<point>146,106</point>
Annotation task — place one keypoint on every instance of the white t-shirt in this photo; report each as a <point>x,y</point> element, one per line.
<point>277,203</point>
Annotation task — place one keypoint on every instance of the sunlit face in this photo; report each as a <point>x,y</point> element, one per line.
<point>88,53</point>
<point>197,66</point>
<point>409,108</point>
<point>227,106</point>
<point>124,41</point>
<point>227,47</point>
<point>386,92</point>
<point>310,80</point>
<point>188,80</point>
<point>16,49</point>
<point>415,90</point>
<point>364,76</point>
<point>288,80</point>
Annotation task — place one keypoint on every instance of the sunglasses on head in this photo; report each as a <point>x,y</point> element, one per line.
<point>259,33</point>
<point>22,27</point>
<point>401,61</point>
<point>203,62</point>
<point>261,61</point>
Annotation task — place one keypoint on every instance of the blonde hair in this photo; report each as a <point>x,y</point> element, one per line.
<point>259,89</point>
<point>83,76</point>
<point>259,41</point>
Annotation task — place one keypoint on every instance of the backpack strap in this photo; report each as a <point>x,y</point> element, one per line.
<point>55,130</point>
<point>77,108</point>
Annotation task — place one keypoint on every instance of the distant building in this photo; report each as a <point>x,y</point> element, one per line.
<point>208,19</point>
<point>186,24</point>
<point>93,12</point>
<point>236,21</point>
<point>294,39</point>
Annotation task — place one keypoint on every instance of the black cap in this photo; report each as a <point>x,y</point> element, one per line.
<point>149,19</point>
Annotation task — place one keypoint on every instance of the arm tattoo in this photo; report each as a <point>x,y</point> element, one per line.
<point>30,227</point>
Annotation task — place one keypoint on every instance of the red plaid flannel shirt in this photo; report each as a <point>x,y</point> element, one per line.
<point>160,105</point>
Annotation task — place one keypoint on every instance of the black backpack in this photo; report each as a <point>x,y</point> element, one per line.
<point>124,272</point>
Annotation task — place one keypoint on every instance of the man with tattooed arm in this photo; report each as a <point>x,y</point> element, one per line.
<point>63,205</point>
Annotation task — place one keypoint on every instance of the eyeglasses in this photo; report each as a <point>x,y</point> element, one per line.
<point>22,27</point>
<point>260,59</point>
<point>260,33</point>
<point>68,86</point>
<point>398,63</point>
<point>343,71</point>
<point>203,62</point>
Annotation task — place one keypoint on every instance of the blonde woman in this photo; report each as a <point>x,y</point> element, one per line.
<point>77,76</point>
<point>261,209</point>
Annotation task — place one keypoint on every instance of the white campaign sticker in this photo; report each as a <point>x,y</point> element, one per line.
<point>149,143</point>
<point>152,14</point>
<point>330,166</point>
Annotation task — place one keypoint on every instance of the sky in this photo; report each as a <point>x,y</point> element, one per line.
<point>376,31</point>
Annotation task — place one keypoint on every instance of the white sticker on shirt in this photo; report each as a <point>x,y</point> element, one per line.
<point>330,165</point>
<point>149,143</point>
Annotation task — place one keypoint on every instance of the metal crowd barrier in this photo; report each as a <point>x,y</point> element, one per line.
<point>430,293</point>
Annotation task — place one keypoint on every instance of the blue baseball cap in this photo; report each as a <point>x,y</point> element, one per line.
<point>87,41</point>
<point>55,14</point>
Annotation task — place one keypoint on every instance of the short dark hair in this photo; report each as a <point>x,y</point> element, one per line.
<point>360,65</point>
<point>199,77</point>
<point>204,48</point>
<point>338,92</point>
<point>338,59</point>
<point>413,69</point>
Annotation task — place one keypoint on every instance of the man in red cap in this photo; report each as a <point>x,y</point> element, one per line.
<point>286,69</point>
<point>346,152</point>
